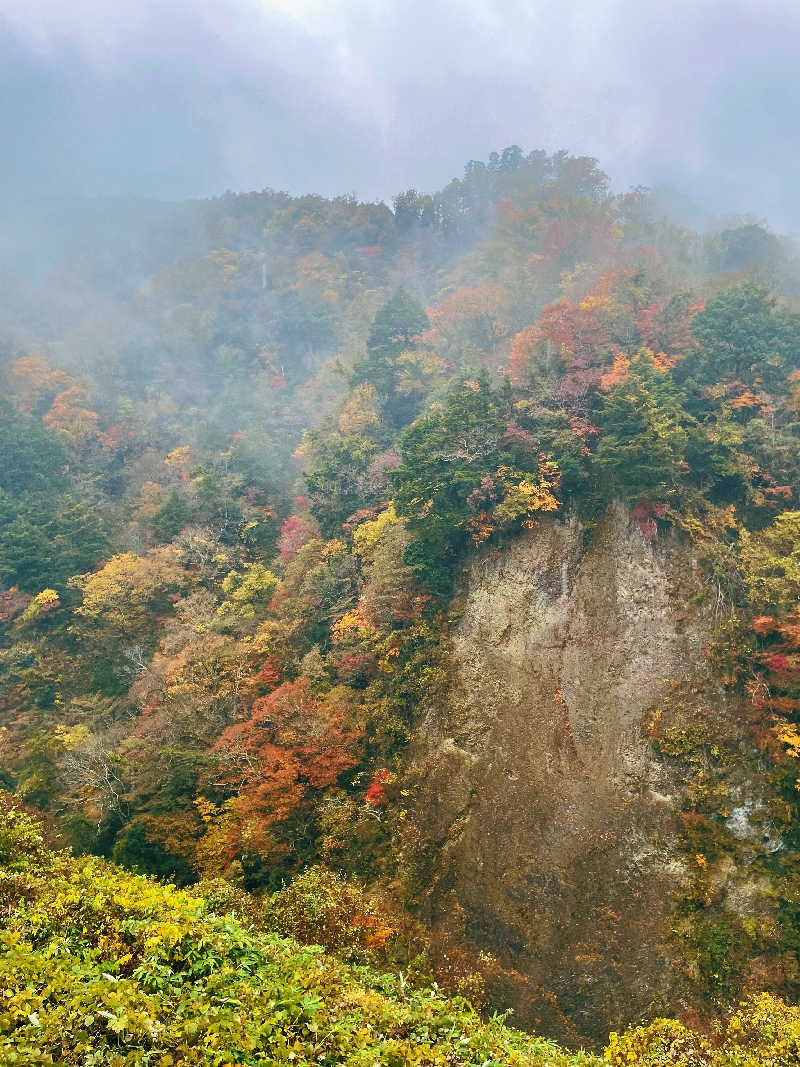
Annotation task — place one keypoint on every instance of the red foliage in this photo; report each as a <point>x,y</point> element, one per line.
<point>485,492</point>
<point>112,439</point>
<point>382,464</point>
<point>353,668</point>
<point>583,429</point>
<point>580,333</point>
<point>663,328</point>
<point>68,416</point>
<point>12,602</point>
<point>362,515</point>
<point>523,350</point>
<point>375,795</point>
<point>296,531</point>
<point>774,690</point>
<point>778,661</point>
<point>292,742</point>
<point>268,675</point>
<point>581,238</point>
<point>520,439</point>
<point>594,336</point>
<point>471,316</point>
<point>578,329</point>
<point>645,513</point>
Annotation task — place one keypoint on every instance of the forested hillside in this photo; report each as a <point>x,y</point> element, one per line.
<point>250,450</point>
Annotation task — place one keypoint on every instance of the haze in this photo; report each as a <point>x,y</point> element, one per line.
<point>180,100</point>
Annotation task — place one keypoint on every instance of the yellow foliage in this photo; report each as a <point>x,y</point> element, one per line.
<point>763,1032</point>
<point>524,498</point>
<point>212,852</point>
<point>125,583</point>
<point>351,627</point>
<point>360,412</point>
<point>38,376</point>
<point>368,534</point>
<point>334,549</point>
<point>246,590</point>
<point>789,736</point>
<point>47,600</point>
<point>72,736</point>
<point>618,372</point>
<point>709,528</point>
<point>150,500</point>
<point>68,417</point>
<point>418,371</point>
<point>664,1043</point>
<point>180,458</point>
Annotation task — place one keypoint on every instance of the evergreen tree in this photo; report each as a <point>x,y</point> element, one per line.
<point>396,325</point>
<point>25,556</point>
<point>641,451</point>
<point>171,517</point>
<point>743,336</point>
<point>444,456</point>
<point>31,459</point>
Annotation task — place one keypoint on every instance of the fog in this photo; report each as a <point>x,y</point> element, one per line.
<point>179,100</point>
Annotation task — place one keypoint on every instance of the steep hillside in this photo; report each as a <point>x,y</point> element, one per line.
<point>552,818</point>
<point>99,966</point>
<point>450,550</point>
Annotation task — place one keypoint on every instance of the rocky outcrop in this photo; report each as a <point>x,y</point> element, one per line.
<point>548,819</point>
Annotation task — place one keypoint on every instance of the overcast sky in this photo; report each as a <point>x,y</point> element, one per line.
<point>177,99</point>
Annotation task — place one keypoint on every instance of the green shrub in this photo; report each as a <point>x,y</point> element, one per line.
<point>99,966</point>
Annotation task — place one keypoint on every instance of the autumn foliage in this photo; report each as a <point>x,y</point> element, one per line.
<point>291,743</point>
<point>239,509</point>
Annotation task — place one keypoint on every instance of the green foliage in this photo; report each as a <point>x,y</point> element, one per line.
<point>461,476</point>
<point>770,562</point>
<point>396,325</point>
<point>762,1032</point>
<point>745,248</point>
<point>445,454</point>
<point>338,477</point>
<point>743,335</point>
<point>47,533</point>
<point>103,967</point>
<point>50,540</point>
<point>139,851</point>
<point>33,460</point>
<point>171,517</point>
<point>642,448</point>
<point>24,554</point>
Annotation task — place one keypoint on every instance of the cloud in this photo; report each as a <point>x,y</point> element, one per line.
<point>186,98</point>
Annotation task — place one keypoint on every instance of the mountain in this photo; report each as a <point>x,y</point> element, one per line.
<point>440,558</point>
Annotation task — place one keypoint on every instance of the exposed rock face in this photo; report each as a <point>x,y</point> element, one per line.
<point>549,818</point>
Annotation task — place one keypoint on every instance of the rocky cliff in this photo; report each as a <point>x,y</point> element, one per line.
<point>551,820</point>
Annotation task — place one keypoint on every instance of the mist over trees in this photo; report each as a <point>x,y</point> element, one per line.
<point>249,445</point>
